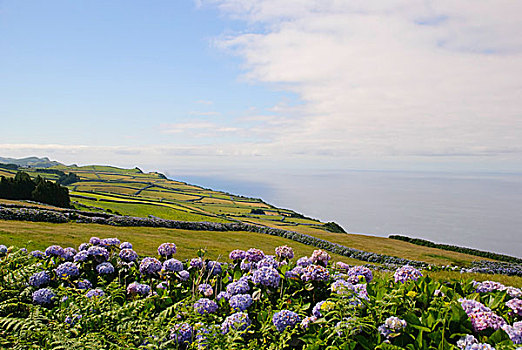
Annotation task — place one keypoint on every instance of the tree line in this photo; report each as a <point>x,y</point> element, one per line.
<point>40,190</point>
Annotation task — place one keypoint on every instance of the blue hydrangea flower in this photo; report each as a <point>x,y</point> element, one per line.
<point>84,247</point>
<point>489,286</point>
<point>285,319</point>
<point>37,254</point>
<point>284,252</point>
<point>237,254</point>
<point>239,287</point>
<point>84,284</point>
<point>40,279</point>
<point>126,245</point>
<point>72,320</point>
<point>94,241</point>
<point>222,295</point>
<point>181,333</point>
<point>240,302</point>
<point>54,250</point>
<point>406,273</point>
<point>305,323</point>
<point>214,268</point>
<point>294,273</point>
<point>110,242</point>
<point>322,308</point>
<point>94,293</point>
<point>3,250</point>
<point>343,267</point>
<point>254,255</point>
<point>392,326</point>
<point>81,256</point>
<point>205,289</point>
<point>320,257</point>
<point>67,270</point>
<point>150,266</point>
<point>197,263</point>
<point>172,265</point>
<point>184,275</point>
<point>267,276</point>
<point>128,255</point>
<point>238,321</point>
<point>245,265</point>
<point>98,253</point>
<point>515,305</point>
<point>267,262</point>
<point>303,261</point>
<point>105,268</point>
<point>68,253</point>
<point>43,296</point>
<point>315,273</point>
<point>138,288</point>
<point>205,306</point>
<point>167,249</point>
<point>359,271</point>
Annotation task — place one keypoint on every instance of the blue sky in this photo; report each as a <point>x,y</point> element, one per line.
<point>230,84</point>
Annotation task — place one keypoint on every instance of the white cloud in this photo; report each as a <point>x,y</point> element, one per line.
<point>381,79</point>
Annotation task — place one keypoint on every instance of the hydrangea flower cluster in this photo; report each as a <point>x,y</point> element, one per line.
<point>514,332</point>
<point>69,253</point>
<point>315,273</point>
<point>84,284</point>
<point>254,255</point>
<point>84,247</point>
<point>266,276</point>
<point>214,268</point>
<point>489,286</point>
<point>514,292</point>
<point>515,305</point>
<point>320,257</point>
<point>167,249</point>
<point>43,296</point>
<point>305,323</point>
<point>54,250</point>
<point>184,275</point>
<point>239,287</point>
<point>181,333</point>
<point>284,252</point>
<point>359,271</point>
<point>392,326</point>
<point>150,266</point>
<point>206,289</point>
<point>94,293</point>
<point>223,295</point>
<point>81,256</point>
<point>126,245</point>
<point>172,265</point>
<point>267,261</point>
<point>67,270</point>
<point>238,321</point>
<point>37,254</point>
<point>485,319</point>
<point>237,255</point>
<point>205,306</point>
<point>294,273</point>
<point>304,261</point>
<point>106,242</point>
<point>95,241</point>
<point>3,250</point>
<point>98,253</point>
<point>128,255</point>
<point>343,267</point>
<point>72,320</point>
<point>322,308</point>
<point>406,273</point>
<point>245,265</point>
<point>105,268</point>
<point>240,302</point>
<point>197,263</point>
<point>285,319</point>
<point>466,341</point>
<point>39,279</point>
<point>471,306</point>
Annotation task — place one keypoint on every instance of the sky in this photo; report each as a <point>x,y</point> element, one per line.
<point>239,84</point>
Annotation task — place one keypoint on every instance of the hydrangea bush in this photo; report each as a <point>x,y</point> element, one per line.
<point>104,295</point>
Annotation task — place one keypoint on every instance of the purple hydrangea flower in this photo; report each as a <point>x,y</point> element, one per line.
<point>84,284</point>
<point>285,319</point>
<point>267,276</point>
<point>43,296</point>
<point>197,263</point>
<point>125,245</point>
<point>150,266</point>
<point>406,273</point>
<point>167,249</point>
<point>37,254</point>
<point>254,255</point>
<point>245,265</point>
<point>240,302</point>
<point>514,292</point>
<point>359,271</point>
<point>68,253</point>
<point>267,261</point>
<point>105,268</point>
<point>471,306</point>
<point>206,289</point>
<point>172,265</point>
<point>98,253</point>
<point>54,250</point>
<point>214,268</point>
<point>489,286</point>
<point>344,267</point>
<point>466,342</point>
<point>81,256</point>
<point>320,257</point>
<point>321,308</point>
<point>67,270</point>
<point>294,273</point>
<point>137,288</point>
<point>94,241</point>
<point>514,332</point>
<point>181,333</point>
<point>128,255</point>
<point>205,306</point>
<point>184,275</point>
<point>305,323</point>
<point>392,326</point>
<point>110,242</point>
<point>239,287</point>
<point>237,254</point>
<point>223,295</point>
<point>40,279</point>
<point>485,319</point>
<point>304,261</point>
<point>84,247</point>
<point>284,252</point>
<point>315,273</point>
<point>3,250</point>
<point>516,306</point>
<point>238,321</point>
<point>94,293</point>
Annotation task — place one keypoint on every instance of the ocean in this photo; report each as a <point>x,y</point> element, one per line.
<point>475,210</point>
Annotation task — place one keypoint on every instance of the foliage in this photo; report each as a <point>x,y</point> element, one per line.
<point>189,309</point>
<point>334,227</point>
